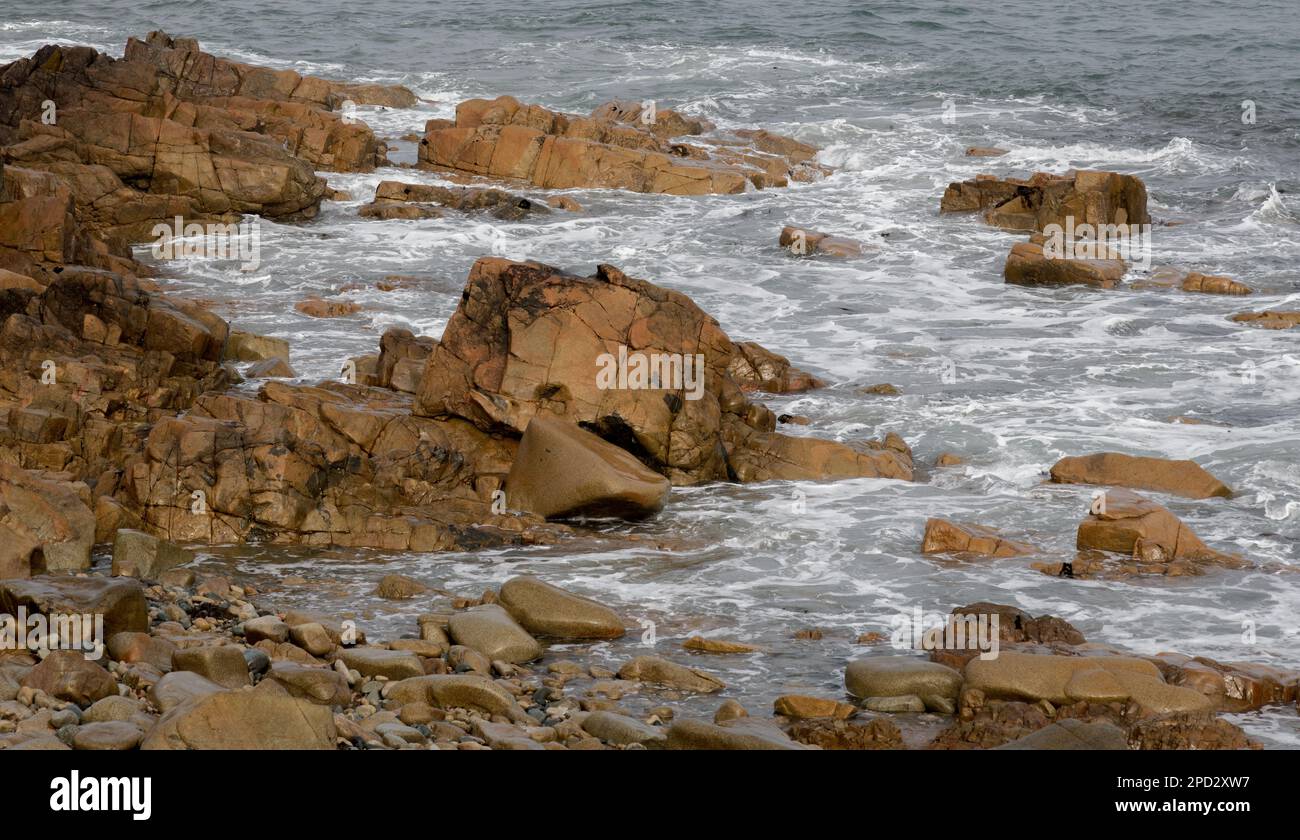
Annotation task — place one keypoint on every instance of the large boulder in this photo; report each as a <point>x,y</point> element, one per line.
<point>120,601</point>
<point>1180,478</point>
<point>638,365</point>
<point>1087,197</point>
<point>903,676</point>
<point>1070,679</point>
<point>491,631</point>
<point>45,526</point>
<point>562,470</point>
<point>68,675</point>
<point>141,555</point>
<point>243,720</point>
<point>944,537</point>
<point>547,610</point>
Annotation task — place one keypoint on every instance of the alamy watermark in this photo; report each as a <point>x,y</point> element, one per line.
<point>967,631</point>
<point>636,371</point>
<point>1131,243</point>
<point>241,242</point>
<point>41,633</point>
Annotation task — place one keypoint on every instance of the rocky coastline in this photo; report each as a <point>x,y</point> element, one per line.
<point>137,426</point>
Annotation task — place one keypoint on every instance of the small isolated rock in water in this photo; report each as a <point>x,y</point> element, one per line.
<point>898,676</point>
<point>883,389</point>
<point>320,308</point>
<point>1122,521</point>
<point>563,470</point>
<point>564,202</point>
<point>399,588</point>
<point>1269,319</point>
<point>704,645</point>
<point>803,243</point>
<point>730,710</point>
<point>140,555</point>
<point>1180,478</point>
<point>1029,264</point>
<point>984,151</point>
<point>1072,734</point>
<point>944,537</point>
<point>1213,284</point>
<point>547,610</point>
<point>653,669</point>
<point>741,734</point>
<point>947,459</point>
<point>491,631</point>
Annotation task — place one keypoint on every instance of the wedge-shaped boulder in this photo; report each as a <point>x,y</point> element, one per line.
<point>1180,478</point>
<point>563,470</point>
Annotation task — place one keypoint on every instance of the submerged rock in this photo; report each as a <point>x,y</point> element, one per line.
<point>944,537</point>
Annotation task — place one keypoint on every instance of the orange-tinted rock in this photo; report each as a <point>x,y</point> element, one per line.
<point>503,138</point>
<point>527,339</point>
<point>1126,523</point>
<point>1089,197</point>
<point>1181,478</point>
<point>803,243</point>
<point>1269,319</point>
<point>1029,265</point>
<point>944,537</point>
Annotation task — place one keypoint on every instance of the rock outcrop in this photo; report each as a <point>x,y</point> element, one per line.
<point>1085,196</point>
<point>613,148</point>
<point>641,366</point>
